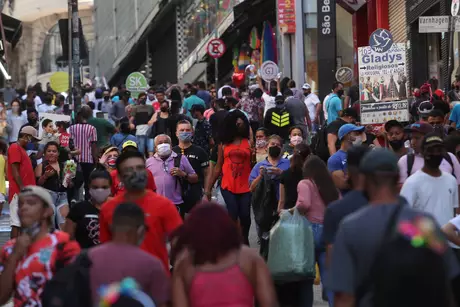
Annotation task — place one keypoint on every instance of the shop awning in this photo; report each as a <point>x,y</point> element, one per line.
<point>13,29</point>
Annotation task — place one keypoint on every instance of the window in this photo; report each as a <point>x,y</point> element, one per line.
<point>52,59</point>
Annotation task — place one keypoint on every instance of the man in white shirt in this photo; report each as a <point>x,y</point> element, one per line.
<point>269,99</point>
<point>313,105</point>
<point>430,189</point>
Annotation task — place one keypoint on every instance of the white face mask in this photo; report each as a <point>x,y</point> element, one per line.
<point>100,195</point>
<point>296,140</point>
<point>164,150</point>
<point>357,141</point>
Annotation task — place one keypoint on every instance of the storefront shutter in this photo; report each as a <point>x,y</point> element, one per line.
<point>397,14</point>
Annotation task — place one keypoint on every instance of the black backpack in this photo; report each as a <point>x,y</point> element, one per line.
<point>70,286</point>
<point>319,144</point>
<point>411,160</point>
<point>191,193</point>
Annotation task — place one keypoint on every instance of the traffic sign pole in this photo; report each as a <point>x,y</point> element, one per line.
<point>216,72</point>
<point>216,48</point>
<point>451,47</point>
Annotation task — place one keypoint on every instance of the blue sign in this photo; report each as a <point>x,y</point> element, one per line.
<point>381,40</point>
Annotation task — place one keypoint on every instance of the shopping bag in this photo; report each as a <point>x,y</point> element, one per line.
<point>291,255</point>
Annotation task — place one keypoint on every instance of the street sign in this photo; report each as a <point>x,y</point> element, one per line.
<point>381,112</point>
<point>216,48</point>
<point>436,24</point>
<point>269,71</point>
<point>381,40</point>
<point>344,74</point>
<point>136,83</point>
<point>454,7</point>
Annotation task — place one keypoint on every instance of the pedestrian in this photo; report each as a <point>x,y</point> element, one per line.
<point>82,222</point>
<point>85,139</point>
<point>109,157</point>
<point>375,237</point>
<point>394,133</point>
<point>293,87</point>
<point>334,103</point>
<point>199,160</point>
<point>252,104</point>
<point>349,135</point>
<point>299,111</point>
<point>202,136</point>
<point>106,104</point>
<point>104,129</point>
<point>140,115</point>
<point>296,137</point>
<point>15,120</point>
<point>313,105</point>
<point>347,116</point>
<point>269,99</point>
<point>278,120</point>
<point>234,162</point>
<point>161,215</point>
<point>28,262</point>
<point>50,175</point>
<point>117,185</point>
<point>118,111</point>
<point>218,269</point>
<point>59,104</point>
<point>171,172</point>
<point>217,119</point>
<point>191,101</point>
<point>261,147</point>
<point>20,173</point>
<point>291,177</point>
<point>452,143</point>
<point>122,136</point>
<point>203,94</point>
<point>46,106</point>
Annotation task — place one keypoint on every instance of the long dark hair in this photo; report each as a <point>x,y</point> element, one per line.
<point>301,152</point>
<point>229,130</point>
<point>316,170</point>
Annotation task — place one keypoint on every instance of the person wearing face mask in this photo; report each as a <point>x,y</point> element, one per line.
<point>140,115</point>
<point>203,133</point>
<point>295,138</point>
<point>162,217</point>
<point>395,136</point>
<point>152,100</point>
<point>171,172</point>
<point>313,104</point>
<point>430,189</point>
<point>349,135</point>
<point>48,134</point>
<point>109,158</point>
<point>261,144</point>
<point>334,102</point>
<point>106,104</point>
<point>347,116</point>
<point>82,222</point>
<point>20,173</point>
<point>199,160</point>
<point>160,121</point>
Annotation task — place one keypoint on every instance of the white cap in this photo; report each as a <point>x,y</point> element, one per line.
<point>306,86</point>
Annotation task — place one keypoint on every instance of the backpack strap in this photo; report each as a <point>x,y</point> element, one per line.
<point>410,163</point>
<point>449,159</point>
<point>177,162</point>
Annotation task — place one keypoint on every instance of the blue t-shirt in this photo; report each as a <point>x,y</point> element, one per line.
<point>206,97</point>
<point>333,106</point>
<point>455,115</point>
<point>337,162</point>
<point>119,139</point>
<point>283,164</point>
<point>190,101</point>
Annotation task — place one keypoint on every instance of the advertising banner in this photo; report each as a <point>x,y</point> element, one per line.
<point>381,112</point>
<point>327,55</point>
<point>382,76</point>
<point>286,16</point>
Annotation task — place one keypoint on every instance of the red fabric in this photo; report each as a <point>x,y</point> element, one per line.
<point>117,185</point>
<point>39,265</point>
<point>17,154</point>
<point>237,167</point>
<point>64,139</point>
<point>161,218</point>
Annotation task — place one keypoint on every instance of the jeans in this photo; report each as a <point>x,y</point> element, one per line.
<point>320,256</point>
<point>144,142</point>
<point>239,206</point>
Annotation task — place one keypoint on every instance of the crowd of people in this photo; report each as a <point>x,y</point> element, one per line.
<point>167,180</point>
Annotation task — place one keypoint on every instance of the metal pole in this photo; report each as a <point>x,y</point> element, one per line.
<point>2,3</point>
<point>76,55</point>
<point>216,72</point>
<point>451,47</point>
<point>216,36</point>
<point>147,59</point>
<point>69,56</point>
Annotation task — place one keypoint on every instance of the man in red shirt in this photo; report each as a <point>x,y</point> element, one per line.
<point>20,173</point>
<point>161,216</point>
<point>117,185</point>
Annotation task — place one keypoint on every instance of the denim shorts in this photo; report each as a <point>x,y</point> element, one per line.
<point>59,200</point>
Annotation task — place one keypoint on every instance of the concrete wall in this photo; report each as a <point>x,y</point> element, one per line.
<point>24,60</point>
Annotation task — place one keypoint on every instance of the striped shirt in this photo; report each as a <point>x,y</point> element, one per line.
<point>83,135</point>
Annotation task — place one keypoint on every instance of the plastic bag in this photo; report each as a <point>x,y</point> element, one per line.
<point>291,255</point>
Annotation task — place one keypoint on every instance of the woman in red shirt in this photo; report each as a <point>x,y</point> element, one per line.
<point>234,162</point>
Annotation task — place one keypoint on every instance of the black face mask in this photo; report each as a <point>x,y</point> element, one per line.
<point>306,94</point>
<point>32,121</point>
<point>274,151</point>
<point>397,144</point>
<point>340,93</point>
<point>433,161</point>
<point>106,98</point>
<point>164,109</point>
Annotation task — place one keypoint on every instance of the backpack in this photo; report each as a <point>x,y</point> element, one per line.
<point>70,286</point>
<point>280,118</point>
<point>319,144</point>
<point>191,193</point>
<point>411,160</point>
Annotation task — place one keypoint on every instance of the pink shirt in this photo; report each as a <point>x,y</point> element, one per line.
<point>309,201</point>
<point>418,165</point>
<point>207,114</point>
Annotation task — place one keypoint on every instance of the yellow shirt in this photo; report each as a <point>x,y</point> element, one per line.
<point>2,175</point>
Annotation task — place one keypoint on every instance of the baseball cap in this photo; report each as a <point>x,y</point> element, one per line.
<point>306,86</point>
<point>129,143</point>
<point>423,128</point>
<point>379,160</point>
<point>30,131</point>
<point>392,123</point>
<point>43,194</point>
<point>279,99</point>
<point>425,107</point>
<point>111,148</point>
<point>432,140</point>
<point>350,112</point>
<point>347,128</point>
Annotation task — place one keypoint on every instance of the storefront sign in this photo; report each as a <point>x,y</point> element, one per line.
<point>326,45</point>
<point>381,112</point>
<point>54,119</point>
<point>381,40</point>
<point>286,16</point>
<point>269,71</point>
<point>344,74</point>
<point>136,83</point>
<point>436,24</point>
<point>382,76</point>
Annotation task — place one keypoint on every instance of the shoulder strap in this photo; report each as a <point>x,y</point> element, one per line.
<point>449,159</point>
<point>122,141</point>
<point>177,160</point>
<point>410,163</point>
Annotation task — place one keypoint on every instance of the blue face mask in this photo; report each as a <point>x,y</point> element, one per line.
<point>185,136</point>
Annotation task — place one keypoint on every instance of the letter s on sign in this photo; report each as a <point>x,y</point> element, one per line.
<point>326,31</point>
